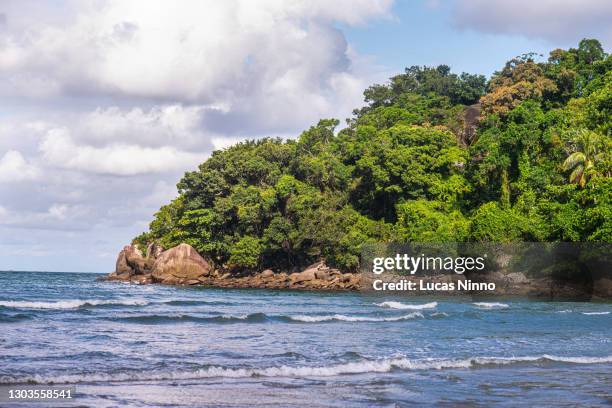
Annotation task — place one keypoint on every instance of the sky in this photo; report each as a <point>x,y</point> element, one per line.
<point>104,104</point>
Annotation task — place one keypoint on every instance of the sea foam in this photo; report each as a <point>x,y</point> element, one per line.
<point>71,304</point>
<point>357,367</point>
<point>403,306</point>
<point>339,317</point>
<point>491,305</point>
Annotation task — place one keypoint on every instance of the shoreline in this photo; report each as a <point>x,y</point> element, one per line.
<point>183,265</point>
<point>315,277</point>
<point>508,286</point>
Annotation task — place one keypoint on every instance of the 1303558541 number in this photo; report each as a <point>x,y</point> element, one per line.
<point>40,393</point>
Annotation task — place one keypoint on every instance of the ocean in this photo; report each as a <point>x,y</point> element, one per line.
<point>130,345</point>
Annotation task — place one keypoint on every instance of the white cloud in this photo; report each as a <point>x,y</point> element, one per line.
<point>205,51</point>
<point>112,100</point>
<point>14,168</point>
<point>58,149</point>
<point>554,20</point>
<point>158,126</point>
<point>241,68</point>
<point>57,216</point>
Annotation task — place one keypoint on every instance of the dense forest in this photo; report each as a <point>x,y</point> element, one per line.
<point>433,156</point>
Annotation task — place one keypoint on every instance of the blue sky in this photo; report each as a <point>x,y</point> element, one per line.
<point>423,35</point>
<point>106,103</point>
<point>428,33</point>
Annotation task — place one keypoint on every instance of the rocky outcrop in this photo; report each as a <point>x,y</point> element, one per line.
<point>180,265</point>
<point>122,267</point>
<point>315,277</point>
<point>133,267</point>
<point>154,250</point>
<point>130,262</point>
<point>321,276</point>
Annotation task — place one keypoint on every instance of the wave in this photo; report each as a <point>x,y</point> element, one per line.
<point>357,367</point>
<point>339,317</point>
<point>253,318</point>
<point>399,305</point>
<point>14,318</point>
<point>177,318</point>
<point>595,313</point>
<point>71,304</point>
<point>194,302</point>
<point>490,305</point>
<point>77,303</point>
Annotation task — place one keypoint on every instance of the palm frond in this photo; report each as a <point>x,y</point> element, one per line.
<point>577,175</point>
<point>573,160</point>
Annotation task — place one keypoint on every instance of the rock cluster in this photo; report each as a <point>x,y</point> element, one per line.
<point>182,265</point>
<point>315,277</point>
<point>176,266</point>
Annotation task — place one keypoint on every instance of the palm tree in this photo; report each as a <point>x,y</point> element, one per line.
<point>582,161</point>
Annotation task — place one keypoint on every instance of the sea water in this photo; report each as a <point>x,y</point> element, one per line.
<point>129,345</point>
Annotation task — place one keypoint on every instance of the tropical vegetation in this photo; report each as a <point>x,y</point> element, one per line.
<point>433,156</point>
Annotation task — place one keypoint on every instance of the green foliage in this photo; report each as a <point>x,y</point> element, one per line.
<point>246,253</point>
<point>492,223</point>
<point>430,221</point>
<point>460,89</point>
<point>538,168</point>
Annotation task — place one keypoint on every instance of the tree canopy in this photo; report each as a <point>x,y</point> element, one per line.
<point>538,168</point>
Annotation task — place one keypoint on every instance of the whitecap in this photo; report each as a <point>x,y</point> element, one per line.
<point>357,367</point>
<point>490,305</point>
<point>399,305</point>
<point>339,317</point>
<point>71,304</point>
<point>579,360</point>
<point>595,313</point>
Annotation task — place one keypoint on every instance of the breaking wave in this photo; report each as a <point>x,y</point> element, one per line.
<point>358,367</point>
<point>253,318</point>
<point>77,303</point>
<point>178,318</point>
<point>595,313</point>
<point>403,306</point>
<point>71,304</point>
<point>491,305</point>
<point>344,318</point>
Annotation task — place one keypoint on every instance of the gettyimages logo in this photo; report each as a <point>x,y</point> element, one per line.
<point>546,271</point>
<point>412,264</point>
